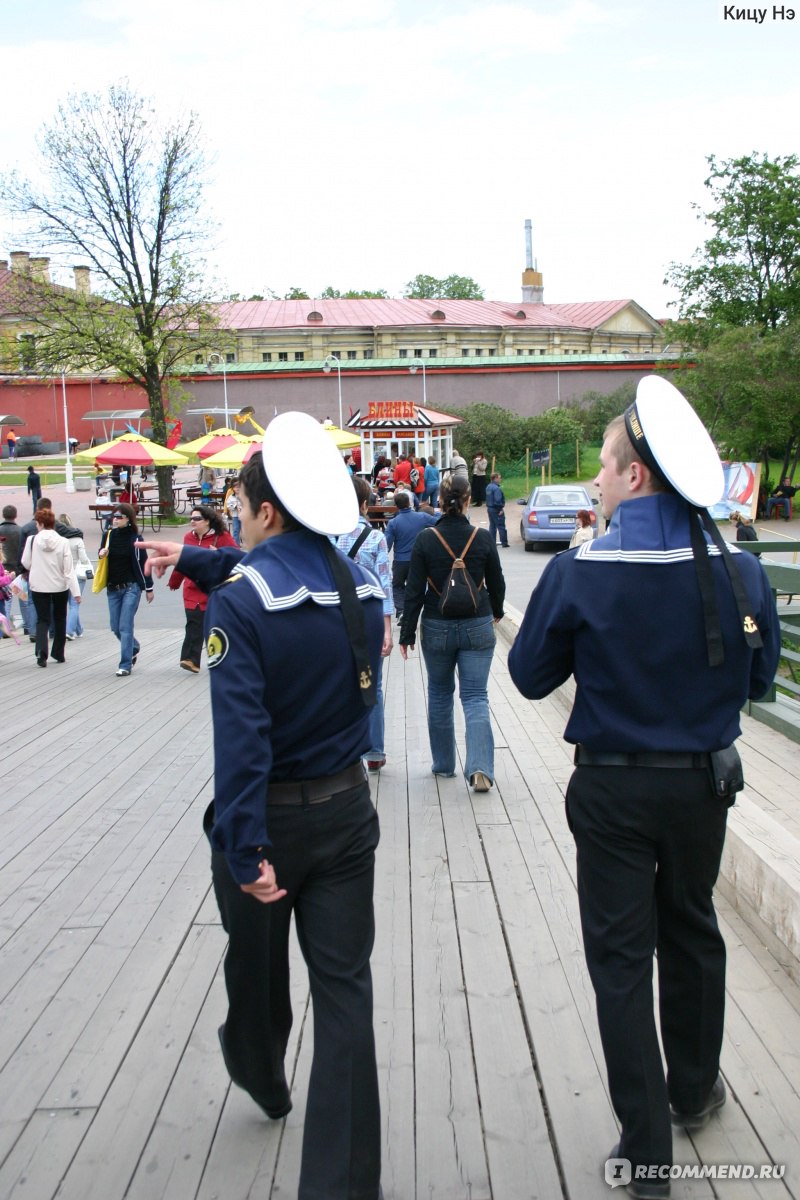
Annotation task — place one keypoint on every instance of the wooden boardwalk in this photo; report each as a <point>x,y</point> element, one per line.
<point>492,1081</point>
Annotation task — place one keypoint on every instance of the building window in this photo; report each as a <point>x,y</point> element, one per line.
<point>266,356</point>
<point>367,354</point>
<point>519,352</point>
<point>543,352</point>
<point>403,353</point>
<point>352,354</point>
<point>465,353</point>
<point>283,356</point>
<point>478,352</point>
<point>433,353</point>
<point>299,356</point>
<point>198,358</point>
<point>418,353</point>
<point>230,358</point>
<point>336,354</point>
<point>492,352</point>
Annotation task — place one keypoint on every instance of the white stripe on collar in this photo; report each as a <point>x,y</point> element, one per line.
<point>658,557</point>
<point>274,603</point>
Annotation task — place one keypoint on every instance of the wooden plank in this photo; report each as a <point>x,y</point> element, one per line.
<point>40,1157</point>
<point>392,961</point>
<point>573,1077</point>
<point>112,1147</point>
<point>450,1155</point>
<point>520,1156</point>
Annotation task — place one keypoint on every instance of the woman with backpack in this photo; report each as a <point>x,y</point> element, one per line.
<point>456,583</point>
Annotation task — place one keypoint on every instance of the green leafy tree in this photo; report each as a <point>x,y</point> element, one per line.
<point>490,428</point>
<point>296,293</point>
<point>594,410</point>
<point>331,293</point>
<point>748,271</point>
<point>454,287</point>
<point>746,388</point>
<point>122,193</point>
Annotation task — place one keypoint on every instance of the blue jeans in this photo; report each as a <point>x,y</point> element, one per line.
<point>376,752</point>
<point>781,502</point>
<point>74,613</point>
<point>468,645</point>
<point>236,530</point>
<point>122,606</point>
<point>28,610</point>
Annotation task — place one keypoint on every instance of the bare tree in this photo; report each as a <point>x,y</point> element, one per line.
<point>122,195</point>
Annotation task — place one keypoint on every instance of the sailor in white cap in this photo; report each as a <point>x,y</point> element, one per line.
<point>667,633</point>
<point>294,631</point>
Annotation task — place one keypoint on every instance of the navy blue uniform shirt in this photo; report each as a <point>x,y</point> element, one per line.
<point>284,692</point>
<point>623,614</point>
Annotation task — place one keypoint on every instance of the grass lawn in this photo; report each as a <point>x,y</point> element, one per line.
<point>50,469</point>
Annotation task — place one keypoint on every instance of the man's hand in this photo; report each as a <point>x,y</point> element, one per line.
<point>166,555</point>
<point>265,889</point>
<point>405,651</point>
<point>149,597</point>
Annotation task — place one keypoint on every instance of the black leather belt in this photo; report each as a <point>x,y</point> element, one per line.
<point>315,791</point>
<point>119,587</point>
<point>641,758</point>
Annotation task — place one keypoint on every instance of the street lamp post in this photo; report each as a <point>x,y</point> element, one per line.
<point>215,355</point>
<point>68,478</point>
<point>415,366</point>
<point>327,367</point>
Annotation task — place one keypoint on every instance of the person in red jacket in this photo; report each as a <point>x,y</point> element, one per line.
<point>208,531</point>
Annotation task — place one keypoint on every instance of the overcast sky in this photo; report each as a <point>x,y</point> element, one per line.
<point>358,143</point>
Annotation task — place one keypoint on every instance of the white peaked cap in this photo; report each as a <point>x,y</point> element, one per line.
<point>664,427</point>
<point>308,475</point>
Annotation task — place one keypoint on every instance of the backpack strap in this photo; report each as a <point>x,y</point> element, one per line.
<point>463,553</point>
<point>362,537</point>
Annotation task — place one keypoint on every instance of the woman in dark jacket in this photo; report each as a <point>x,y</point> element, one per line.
<point>450,642</point>
<point>126,581</point>
<point>207,532</point>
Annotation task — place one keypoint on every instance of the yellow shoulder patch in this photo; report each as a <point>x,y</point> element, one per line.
<point>217,646</point>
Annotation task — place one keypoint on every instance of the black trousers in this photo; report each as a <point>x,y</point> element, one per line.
<point>50,606</point>
<point>192,646</point>
<point>324,855</point>
<point>649,844</point>
<point>399,576</point>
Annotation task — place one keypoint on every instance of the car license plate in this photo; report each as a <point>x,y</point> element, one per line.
<point>562,520</point>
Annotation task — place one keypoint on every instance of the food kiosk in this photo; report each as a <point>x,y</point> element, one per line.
<point>393,427</point>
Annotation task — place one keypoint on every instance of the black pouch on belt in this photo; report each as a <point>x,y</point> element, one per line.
<point>727,777</point>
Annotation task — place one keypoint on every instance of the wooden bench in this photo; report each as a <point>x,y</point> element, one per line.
<point>379,514</point>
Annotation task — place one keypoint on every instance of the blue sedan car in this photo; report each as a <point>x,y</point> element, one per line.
<point>549,514</point>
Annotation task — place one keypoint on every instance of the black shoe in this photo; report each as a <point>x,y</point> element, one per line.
<point>133,660</point>
<point>274,1114</point>
<point>698,1120</point>
<point>40,661</point>
<point>644,1189</point>
<point>61,660</point>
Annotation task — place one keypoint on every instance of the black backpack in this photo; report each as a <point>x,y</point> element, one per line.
<point>459,596</point>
